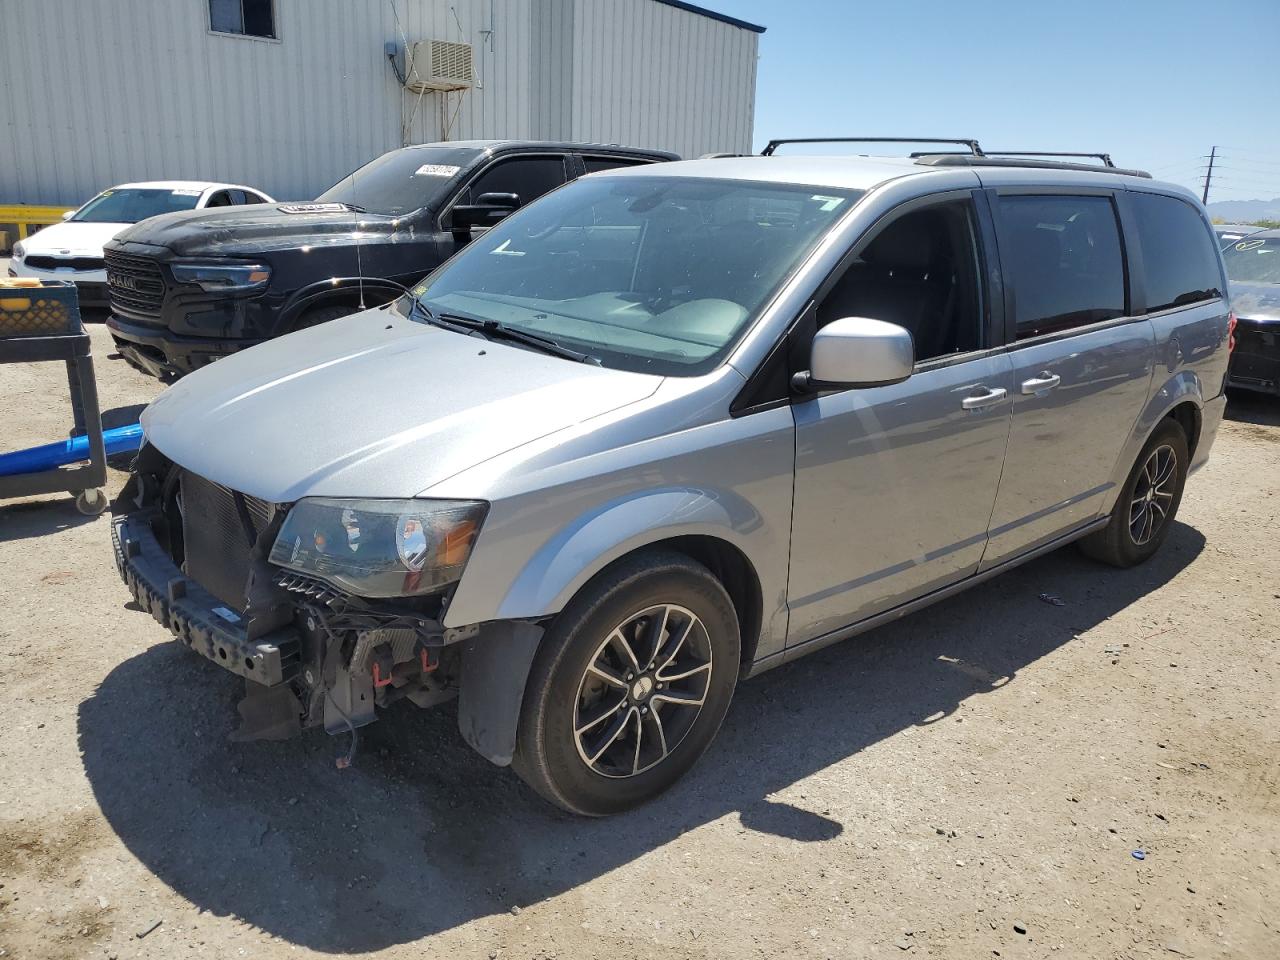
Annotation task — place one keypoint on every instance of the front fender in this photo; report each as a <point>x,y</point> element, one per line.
<point>612,530</point>
<point>337,289</point>
<point>1180,387</point>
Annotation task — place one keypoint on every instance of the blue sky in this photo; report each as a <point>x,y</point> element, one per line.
<point>1153,82</point>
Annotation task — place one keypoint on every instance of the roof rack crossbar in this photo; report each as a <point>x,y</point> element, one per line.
<point>974,149</point>
<point>1104,157</point>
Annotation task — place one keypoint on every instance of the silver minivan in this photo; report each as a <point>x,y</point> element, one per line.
<point>670,426</point>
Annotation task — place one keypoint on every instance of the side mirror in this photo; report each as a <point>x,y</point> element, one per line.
<point>488,209</point>
<point>857,352</point>
<point>68,214</point>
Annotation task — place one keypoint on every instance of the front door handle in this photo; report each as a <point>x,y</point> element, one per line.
<point>1041,384</point>
<point>988,397</point>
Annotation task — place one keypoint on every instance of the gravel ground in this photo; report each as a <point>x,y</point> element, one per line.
<point>972,781</point>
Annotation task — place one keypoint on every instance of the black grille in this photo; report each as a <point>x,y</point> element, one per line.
<point>136,284</point>
<point>75,263</point>
<point>215,541</point>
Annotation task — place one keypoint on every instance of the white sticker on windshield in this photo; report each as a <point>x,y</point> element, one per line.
<point>187,193</point>
<point>828,203</point>
<point>436,170</point>
<point>504,249</point>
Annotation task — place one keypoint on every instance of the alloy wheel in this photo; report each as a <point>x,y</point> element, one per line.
<point>1153,495</point>
<point>642,691</point>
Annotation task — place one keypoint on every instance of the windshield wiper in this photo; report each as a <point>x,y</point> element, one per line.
<point>494,330</point>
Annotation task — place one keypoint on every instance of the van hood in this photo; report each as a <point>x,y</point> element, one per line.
<point>1256,301</point>
<point>258,228</point>
<point>372,405</point>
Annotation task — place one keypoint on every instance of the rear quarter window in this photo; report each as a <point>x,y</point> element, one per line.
<point>1178,252</point>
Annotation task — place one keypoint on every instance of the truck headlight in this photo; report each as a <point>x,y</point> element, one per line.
<point>223,277</point>
<point>380,548</point>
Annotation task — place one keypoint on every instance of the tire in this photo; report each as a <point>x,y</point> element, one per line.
<point>1119,543</point>
<point>653,594</point>
<point>318,315</point>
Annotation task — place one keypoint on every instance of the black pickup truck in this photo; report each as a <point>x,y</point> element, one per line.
<point>188,288</point>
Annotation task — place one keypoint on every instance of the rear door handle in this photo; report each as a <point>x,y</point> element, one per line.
<point>989,397</point>
<point>1041,384</point>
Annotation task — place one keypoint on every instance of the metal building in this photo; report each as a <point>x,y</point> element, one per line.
<point>290,95</point>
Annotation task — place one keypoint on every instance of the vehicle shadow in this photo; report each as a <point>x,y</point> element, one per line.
<point>1245,406</point>
<point>422,835</point>
<point>53,513</point>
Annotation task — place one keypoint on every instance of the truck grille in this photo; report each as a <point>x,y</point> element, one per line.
<point>216,543</point>
<point>136,285</point>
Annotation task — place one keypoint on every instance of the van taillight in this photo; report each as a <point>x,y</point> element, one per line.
<point>1231,331</point>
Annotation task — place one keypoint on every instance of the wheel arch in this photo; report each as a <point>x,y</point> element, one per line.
<point>1181,398</point>
<point>339,291</point>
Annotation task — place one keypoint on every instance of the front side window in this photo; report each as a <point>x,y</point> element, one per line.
<point>1253,261</point>
<point>652,274</point>
<point>527,177</point>
<point>1065,261</point>
<point>131,204</point>
<point>401,181</point>
<point>920,272</point>
<point>1177,252</point>
<point>248,18</point>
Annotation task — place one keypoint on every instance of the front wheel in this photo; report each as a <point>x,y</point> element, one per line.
<point>630,686</point>
<point>1148,501</point>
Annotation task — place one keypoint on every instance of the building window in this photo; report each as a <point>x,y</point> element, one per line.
<point>248,18</point>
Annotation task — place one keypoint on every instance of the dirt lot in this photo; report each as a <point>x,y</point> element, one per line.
<point>970,782</point>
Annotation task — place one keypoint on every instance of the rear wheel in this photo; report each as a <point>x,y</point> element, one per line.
<point>1148,501</point>
<point>630,686</point>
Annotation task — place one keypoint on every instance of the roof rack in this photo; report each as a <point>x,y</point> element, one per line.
<point>1104,157</point>
<point>974,149</point>
<point>987,160</point>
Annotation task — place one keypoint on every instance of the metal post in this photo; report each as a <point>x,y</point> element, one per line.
<point>1208,174</point>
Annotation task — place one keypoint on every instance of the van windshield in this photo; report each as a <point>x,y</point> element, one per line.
<point>1253,261</point>
<point>401,181</point>
<point>652,274</point>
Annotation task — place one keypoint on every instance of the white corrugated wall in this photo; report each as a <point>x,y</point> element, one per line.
<point>94,93</point>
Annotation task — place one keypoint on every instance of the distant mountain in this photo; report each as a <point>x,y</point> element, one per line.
<point>1245,211</point>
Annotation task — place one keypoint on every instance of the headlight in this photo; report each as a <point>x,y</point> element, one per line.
<point>380,548</point>
<point>19,251</point>
<point>224,277</point>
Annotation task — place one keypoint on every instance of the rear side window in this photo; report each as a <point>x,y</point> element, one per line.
<point>1065,260</point>
<point>596,164</point>
<point>1177,253</point>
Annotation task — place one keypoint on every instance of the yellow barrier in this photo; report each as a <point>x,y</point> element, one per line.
<point>20,220</point>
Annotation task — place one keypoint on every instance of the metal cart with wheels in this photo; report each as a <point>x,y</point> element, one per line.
<point>43,324</point>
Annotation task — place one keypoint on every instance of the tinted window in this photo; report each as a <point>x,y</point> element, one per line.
<point>596,164</point>
<point>526,177</point>
<point>252,18</point>
<point>1064,257</point>
<point>920,272</point>
<point>1254,261</point>
<point>1177,252</point>
<point>220,199</point>
<point>654,274</point>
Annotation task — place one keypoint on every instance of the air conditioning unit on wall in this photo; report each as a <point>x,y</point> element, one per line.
<point>439,65</point>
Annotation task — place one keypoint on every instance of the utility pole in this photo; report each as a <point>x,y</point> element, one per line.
<point>1208,174</point>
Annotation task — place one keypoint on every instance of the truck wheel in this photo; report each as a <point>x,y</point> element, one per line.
<point>318,315</point>
<point>1148,501</point>
<point>630,685</point>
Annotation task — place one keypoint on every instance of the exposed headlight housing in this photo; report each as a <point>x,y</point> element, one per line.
<point>19,251</point>
<point>380,548</point>
<point>222,276</point>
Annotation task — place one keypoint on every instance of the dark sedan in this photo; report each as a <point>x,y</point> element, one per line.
<point>1253,266</point>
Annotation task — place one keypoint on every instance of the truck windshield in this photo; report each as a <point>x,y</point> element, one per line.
<point>1253,261</point>
<point>131,204</point>
<point>652,274</point>
<point>401,181</point>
